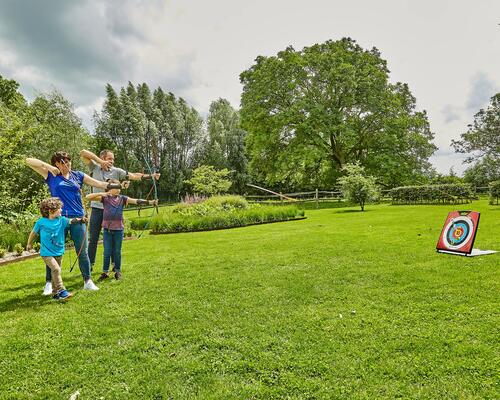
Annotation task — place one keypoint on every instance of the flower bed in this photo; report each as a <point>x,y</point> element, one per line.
<point>219,212</point>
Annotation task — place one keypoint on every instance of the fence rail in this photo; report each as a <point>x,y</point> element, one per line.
<point>320,196</point>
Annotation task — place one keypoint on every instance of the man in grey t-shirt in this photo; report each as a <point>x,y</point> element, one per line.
<point>102,168</point>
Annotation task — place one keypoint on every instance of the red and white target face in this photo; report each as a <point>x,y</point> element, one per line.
<point>459,232</point>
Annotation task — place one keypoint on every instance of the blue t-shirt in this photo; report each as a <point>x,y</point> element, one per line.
<point>68,191</point>
<point>51,233</point>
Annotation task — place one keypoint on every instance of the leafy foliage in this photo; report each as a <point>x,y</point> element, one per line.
<point>13,233</point>
<point>356,187</point>
<point>222,219</point>
<point>310,112</point>
<point>482,142</point>
<point>494,192</point>
<point>211,205</point>
<point>36,130</point>
<point>156,128</point>
<point>224,146</point>
<point>431,194</point>
<point>207,181</point>
<point>483,172</point>
<point>483,136</point>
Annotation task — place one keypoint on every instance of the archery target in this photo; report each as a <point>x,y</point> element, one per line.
<point>458,232</point>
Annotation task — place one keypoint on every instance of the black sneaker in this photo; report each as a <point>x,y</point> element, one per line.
<point>103,276</point>
<point>118,275</point>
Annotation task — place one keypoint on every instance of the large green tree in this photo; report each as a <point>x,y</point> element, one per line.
<point>224,144</point>
<point>150,130</point>
<point>482,143</point>
<point>38,129</point>
<point>310,112</point>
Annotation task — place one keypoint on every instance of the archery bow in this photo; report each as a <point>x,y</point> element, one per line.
<point>86,215</point>
<point>153,179</point>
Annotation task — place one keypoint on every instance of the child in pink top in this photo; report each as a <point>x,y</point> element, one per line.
<point>112,224</point>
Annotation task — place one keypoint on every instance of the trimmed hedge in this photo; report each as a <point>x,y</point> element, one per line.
<point>494,189</point>
<point>175,222</point>
<point>456,193</point>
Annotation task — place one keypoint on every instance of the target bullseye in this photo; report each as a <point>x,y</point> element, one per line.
<point>458,232</point>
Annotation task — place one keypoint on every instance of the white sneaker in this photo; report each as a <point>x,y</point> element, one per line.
<point>89,285</point>
<point>47,290</point>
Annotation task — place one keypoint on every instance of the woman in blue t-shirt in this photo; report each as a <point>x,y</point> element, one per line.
<point>66,184</point>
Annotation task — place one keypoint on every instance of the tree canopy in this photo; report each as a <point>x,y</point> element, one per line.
<point>482,143</point>
<point>155,129</point>
<point>224,145</point>
<point>310,112</point>
<point>35,129</point>
<point>482,139</point>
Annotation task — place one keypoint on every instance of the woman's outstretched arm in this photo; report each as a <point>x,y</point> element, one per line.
<point>41,167</point>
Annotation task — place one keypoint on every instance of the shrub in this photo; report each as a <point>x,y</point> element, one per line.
<point>212,205</point>
<point>227,202</point>
<point>2,252</point>
<point>429,194</point>
<point>36,246</point>
<point>356,187</point>
<point>177,222</point>
<point>494,189</point>
<point>139,223</point>
<point>207,181</point>
<point>13,233</point>
<point>18,248</point>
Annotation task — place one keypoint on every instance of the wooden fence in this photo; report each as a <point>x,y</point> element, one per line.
<point>320,196</point>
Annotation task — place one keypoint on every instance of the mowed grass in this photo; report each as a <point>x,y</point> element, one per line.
<point>342,305</point>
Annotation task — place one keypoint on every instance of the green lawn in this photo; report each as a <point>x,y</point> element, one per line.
<point>341,305</point>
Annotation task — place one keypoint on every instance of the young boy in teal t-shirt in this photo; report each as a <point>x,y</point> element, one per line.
<point>51,228</point>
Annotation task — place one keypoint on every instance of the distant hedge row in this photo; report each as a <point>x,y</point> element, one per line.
<point>494,192</point>
<point>456,193</point>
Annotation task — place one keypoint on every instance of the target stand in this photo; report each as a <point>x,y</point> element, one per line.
<point>459,233</point>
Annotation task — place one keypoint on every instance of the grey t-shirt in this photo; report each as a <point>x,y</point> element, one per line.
<point>98,173</point>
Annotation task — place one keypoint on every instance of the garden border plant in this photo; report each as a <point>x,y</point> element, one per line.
<point>218,212</point>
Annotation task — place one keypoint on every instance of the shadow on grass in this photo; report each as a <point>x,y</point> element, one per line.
<point>351,211</point>
<point>40,284</point>
<point>30,302</point>
<point>35,299</point>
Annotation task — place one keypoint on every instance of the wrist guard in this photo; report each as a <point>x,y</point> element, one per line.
<point>142,202</point>
<point>114,186</point>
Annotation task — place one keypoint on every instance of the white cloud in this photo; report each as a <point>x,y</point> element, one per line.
<point>483,88</point>
<point>198,49</point>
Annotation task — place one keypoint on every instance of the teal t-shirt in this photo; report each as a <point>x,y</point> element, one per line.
<point>51,233</point>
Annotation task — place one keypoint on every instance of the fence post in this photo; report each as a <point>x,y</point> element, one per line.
<point>281,197</point>
<point>317,198</point>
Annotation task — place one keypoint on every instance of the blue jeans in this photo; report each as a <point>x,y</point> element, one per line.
<point>112,248</point>
<point>95,224</point>
<point>78,236</point>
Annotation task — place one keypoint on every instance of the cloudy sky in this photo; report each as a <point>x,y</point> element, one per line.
<point>448,51</point>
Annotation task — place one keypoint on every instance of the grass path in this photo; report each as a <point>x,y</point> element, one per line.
<point>342,305</point>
